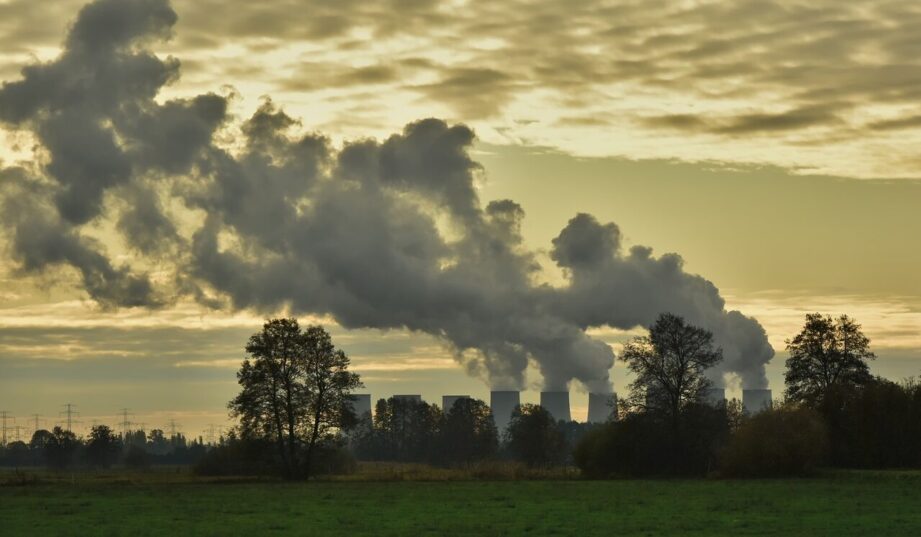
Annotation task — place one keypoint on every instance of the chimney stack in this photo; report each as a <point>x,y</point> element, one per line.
<point>447,401</point>
<point>557,404</point>
<point>755,401</point>
<point>602,407</point>
<point>503,403</point>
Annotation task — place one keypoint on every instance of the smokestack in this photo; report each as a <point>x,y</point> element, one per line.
<point>415,398</point>
<point>602,407</point>
<point>714,396</point>
<point>557,404</point>
<point>503,403</point>
<point>361,405</point>
<point>447,401</point>
<point>755,401</point>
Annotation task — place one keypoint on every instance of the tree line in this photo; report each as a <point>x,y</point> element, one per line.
<point>296,418</point>
<point>61,449</point>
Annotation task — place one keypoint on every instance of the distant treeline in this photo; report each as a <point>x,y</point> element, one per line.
<point>296,419</point>
<point>61,449</point>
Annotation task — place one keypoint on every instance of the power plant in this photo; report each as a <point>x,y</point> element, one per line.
<point>557,404</point>
<point>601,407</point>
<point>503,404</point>
<point>361,405</point>
<point>754,401</point>
<point>715,396</point>
<point>447,401</point>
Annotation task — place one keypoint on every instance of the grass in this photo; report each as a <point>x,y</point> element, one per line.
<point>175,503</point>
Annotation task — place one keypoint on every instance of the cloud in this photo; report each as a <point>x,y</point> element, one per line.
<point>387,234</point>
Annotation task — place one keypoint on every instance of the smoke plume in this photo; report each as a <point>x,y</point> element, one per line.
<point>378,234</point>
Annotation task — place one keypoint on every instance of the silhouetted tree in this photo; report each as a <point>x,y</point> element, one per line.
<point>61,448</point>
<point>669,366</point>
<point>294,388</point>
<point>40,440</point>
<point>534,438</point>
<point>102,446</point>
<point>405,430</point>
<point>468,433</point>
<point>826,353</point>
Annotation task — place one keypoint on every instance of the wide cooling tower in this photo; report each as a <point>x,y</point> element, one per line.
<point>602,407</point>
<point>557,404</point>
<point>754,401</point>
<point>447,401</point>
<point>503,403</point>
<point>361,405</point>
<point>714,396</point>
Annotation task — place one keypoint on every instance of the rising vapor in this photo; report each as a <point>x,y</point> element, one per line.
<point>382,235</point>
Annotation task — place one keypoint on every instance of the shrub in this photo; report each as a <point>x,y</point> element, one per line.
<point>786,441</point>
<point>645,444</point>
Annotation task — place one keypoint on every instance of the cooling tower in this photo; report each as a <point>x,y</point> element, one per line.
<point>447,401</point>
<point>754,401</point>
<point>557,404</point>
<point>503,403</point>
<point>602,407</point>
<point>714,396</point>
<point>361,405</point>
<point>416,398</point>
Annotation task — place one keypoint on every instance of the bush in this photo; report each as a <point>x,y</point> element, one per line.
<point>645,444</point>
<point>786,441</point>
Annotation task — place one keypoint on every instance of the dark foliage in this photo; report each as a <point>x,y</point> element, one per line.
<point>102,447</point>
<point>781,442</point>
<point>468,433</point>
<point>827,354</point>
<point>534,437</point>
<point>643,444</point>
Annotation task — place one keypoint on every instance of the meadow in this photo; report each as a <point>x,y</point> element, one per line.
<point>414,502</point>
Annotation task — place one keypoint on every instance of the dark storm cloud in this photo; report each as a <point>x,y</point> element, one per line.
<point>388,234</point>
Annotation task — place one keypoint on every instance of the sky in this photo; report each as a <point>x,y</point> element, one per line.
<point>467,194</point>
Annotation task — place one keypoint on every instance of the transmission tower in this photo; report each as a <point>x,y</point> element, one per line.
<point>212,433</point>
<point>37,420</point>
<point>125,423</point>
<point>69,413</point>
<point>173,429</point>
<point>4,416</point>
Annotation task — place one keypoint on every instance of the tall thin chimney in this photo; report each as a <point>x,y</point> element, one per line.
<point>557,404</point>
<point>602,407</point>
<point>503,403</point>
<point>755,401</point>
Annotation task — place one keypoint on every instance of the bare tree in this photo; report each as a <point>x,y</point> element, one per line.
<point>669,365</point>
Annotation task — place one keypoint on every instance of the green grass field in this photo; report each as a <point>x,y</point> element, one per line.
<point>177,504</point>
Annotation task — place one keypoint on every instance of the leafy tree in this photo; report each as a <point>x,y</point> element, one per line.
<point>533,437</point>
<point>669,366</point>
<point>468,432</point>
<point>405,430</point>
<point>61,447</point>
<point>40,440</point>
<point>827,353</point>
<point>102,447</point>
<point>294,390</point>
